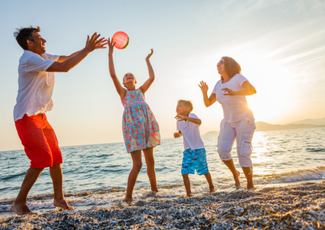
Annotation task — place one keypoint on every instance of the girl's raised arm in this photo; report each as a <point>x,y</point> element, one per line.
<point>120,90</point>
<point>148,83</point>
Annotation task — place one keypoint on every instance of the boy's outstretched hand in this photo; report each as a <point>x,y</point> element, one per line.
<point>180,117</point>
<point>177,134</point>
<point>204,87</point>
<point>95,42</point>
<point>149,55</point>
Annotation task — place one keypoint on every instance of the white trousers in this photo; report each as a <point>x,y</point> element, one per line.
<point>241,131</point>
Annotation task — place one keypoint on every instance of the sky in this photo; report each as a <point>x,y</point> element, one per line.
<point>279,44</point>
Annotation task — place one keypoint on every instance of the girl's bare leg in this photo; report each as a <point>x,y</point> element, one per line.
<point>151,171</point>
<point>137,164</point>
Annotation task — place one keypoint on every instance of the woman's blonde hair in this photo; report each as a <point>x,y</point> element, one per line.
<point>232,67</point>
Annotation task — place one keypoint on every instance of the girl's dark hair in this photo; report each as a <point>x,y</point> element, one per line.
<point>232,67</point>
<point>24,34</point>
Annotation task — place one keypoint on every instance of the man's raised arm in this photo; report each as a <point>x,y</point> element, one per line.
<point>65,63</point>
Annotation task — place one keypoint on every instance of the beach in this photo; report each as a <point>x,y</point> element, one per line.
<point>292,206</point>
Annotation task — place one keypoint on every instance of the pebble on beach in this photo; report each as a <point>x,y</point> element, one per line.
<point>299,206</point>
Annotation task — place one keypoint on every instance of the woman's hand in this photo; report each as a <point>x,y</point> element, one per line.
<point>149,55</point>
<point>229,92</point>
<point>204,87</point>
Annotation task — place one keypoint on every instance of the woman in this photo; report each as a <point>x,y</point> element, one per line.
<point>238,122</point>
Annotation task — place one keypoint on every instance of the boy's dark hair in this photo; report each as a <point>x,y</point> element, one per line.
<point>24,34</point>
<point>187,104</point>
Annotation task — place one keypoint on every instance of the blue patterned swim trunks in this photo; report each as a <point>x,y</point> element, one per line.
<point>194,160</point>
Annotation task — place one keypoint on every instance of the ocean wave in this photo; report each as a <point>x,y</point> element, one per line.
<point>115,195</point>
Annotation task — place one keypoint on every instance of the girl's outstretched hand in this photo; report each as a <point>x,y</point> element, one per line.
<point>204,87</point>
<point>110,44</point>
<point>149,55</point>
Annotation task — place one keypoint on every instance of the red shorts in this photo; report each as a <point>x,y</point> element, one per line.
<point>39,140</point>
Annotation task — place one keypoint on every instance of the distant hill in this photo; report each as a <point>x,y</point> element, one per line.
<point>320,121</point>
<point>263,126</point>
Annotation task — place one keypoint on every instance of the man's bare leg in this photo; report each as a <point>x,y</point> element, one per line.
<point>57,179</point>
<point>20,204</point>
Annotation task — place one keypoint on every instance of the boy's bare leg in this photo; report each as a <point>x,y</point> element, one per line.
<point>151,171</point>
<point>20,204</point>
<point>248,171</point>
<point>187,184</point>
<point>57,179</point>
<point>209,179</point>
<point>230,164</point>
<point>137,164</point>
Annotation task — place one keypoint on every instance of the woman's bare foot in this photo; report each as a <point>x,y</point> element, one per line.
<point>62,203</point>
<point>127,199</point>
<point>236,178</point>
<point>20,209</point>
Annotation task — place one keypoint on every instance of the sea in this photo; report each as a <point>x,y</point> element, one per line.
<point>96,175</point>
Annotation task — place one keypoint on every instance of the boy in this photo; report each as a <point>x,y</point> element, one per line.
<point>194,157</point>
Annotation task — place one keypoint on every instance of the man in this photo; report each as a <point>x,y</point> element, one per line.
<point>36,83</point>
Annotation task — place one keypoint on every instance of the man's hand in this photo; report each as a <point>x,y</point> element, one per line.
<point>95,43</point>
<point>177,135</point>
<point>149,55</point>
<point>204,87</point>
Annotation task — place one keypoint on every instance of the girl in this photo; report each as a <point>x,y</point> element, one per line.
<point>140,128</point>
<point>238,122</point>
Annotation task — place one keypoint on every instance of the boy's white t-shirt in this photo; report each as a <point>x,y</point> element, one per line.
<point>191,133</point>
<point>235,107</point>
<point>35,84</point>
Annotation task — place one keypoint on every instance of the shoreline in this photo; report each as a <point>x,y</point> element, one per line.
<point>293,206</point>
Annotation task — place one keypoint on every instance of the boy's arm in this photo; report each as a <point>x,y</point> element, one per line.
<point>148,83</point>
<point>178,134</point>
<point>191,119</point>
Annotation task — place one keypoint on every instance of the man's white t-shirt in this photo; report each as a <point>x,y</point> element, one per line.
<point>235,107</point>
<point>191,133</point>
<point>35,84</point>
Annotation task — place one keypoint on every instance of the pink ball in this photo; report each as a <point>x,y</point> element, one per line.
<point>121,40</point>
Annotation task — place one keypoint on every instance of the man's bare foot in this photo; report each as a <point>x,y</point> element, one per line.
<point>62,204</point>
<point>250,187</point>
<point>189,195</point>
<point>212,189</point>
<point>236,178</point>
<point>20,209</point>
<point>127,199</point>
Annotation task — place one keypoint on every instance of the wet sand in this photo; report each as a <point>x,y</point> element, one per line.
<point>293,206</point>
